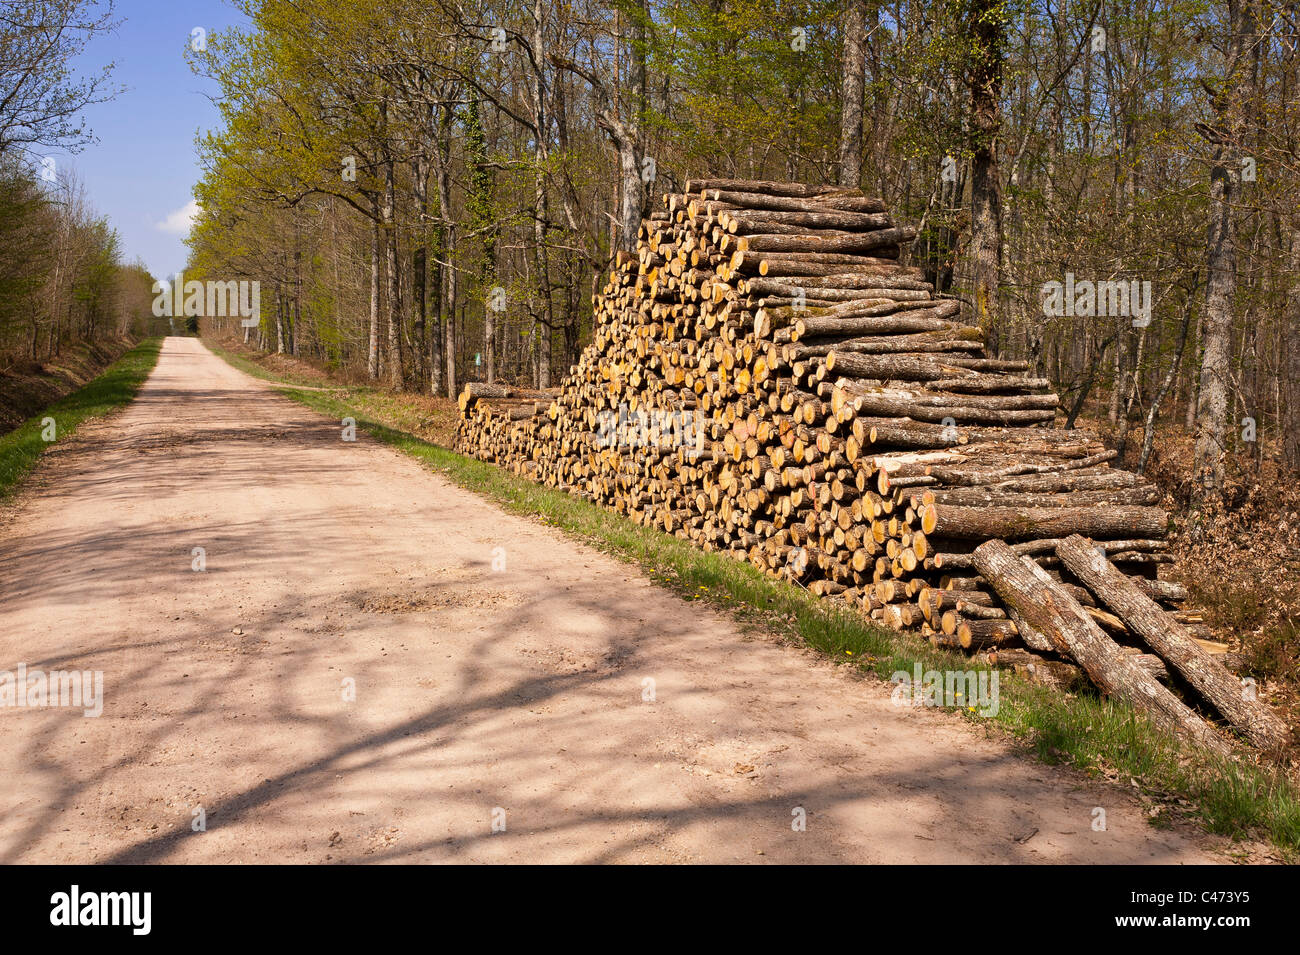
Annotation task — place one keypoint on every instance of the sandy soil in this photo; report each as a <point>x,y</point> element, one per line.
<point>481,695</point>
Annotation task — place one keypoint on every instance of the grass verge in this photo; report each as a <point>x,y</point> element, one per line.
<point>255,370</point>
<point>21,448</point>
<point>1099,736</point>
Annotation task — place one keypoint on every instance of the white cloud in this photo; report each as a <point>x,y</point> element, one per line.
<point>180,221</point>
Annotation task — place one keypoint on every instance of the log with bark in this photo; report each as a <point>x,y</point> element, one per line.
<point>1053,612</point>
<point>1173,644</point>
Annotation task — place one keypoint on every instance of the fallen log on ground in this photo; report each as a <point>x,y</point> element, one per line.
<point>1022,584</point>
<point>1167,638</point>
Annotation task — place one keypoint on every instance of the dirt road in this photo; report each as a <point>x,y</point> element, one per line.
<point>483,696</point>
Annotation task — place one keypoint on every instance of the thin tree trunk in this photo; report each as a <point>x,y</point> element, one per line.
<point>296,324</point>
<point>1193,385</point>
<point>395,371</point>
<point>372,365</point>
<point>1221,264</point>
<point>1149,431</point>
<point>437,284</point>
<point>854,64</point>
<point>985,82</point>
<point>1290,358</point>
<point>1131,389</point>
<point>419,271</point>
<point>279,320</point>
<point>447,285</point>
<point>545,329</point>
<point>1117,373</point>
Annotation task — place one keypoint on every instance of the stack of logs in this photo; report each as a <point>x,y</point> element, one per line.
<point>767,379</point>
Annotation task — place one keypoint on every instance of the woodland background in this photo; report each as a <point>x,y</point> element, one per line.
<point>63,281</point>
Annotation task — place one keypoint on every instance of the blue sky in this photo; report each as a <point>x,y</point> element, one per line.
<point>142,170</point>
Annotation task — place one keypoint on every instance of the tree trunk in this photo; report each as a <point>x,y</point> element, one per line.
<point>543,330</point>
<point>296,323</point>
<point>985,81</point>
<point>1149,431</point>
<point>450,339</point>
<point>1290,360</point>
<point>1216,330</point>
<point>395,370</point>
<point>1022,523</point>
<point>420,271</point>
<point>279,320</point>
<point>854,64</point>
<point>1117,374</point>
<point>372,365</point>
<point>1221,260</point>
<point>435,283</point>
<point>1193,383</point>
<point>1130,393</point>
<point>447,288</point>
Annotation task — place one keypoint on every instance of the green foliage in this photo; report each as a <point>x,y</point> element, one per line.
<point>26,233</point>
<point>61,275</point>
<point>480,192</point>
<point>746,78</point>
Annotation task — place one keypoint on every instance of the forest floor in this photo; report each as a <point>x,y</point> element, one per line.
<point>372,664</point>
<point>27,387</point>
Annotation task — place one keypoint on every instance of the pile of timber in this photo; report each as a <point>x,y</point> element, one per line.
<point>767,379</point>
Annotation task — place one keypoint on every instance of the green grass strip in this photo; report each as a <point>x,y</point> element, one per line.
<point>21,448</point>
<point>1097,735</point>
